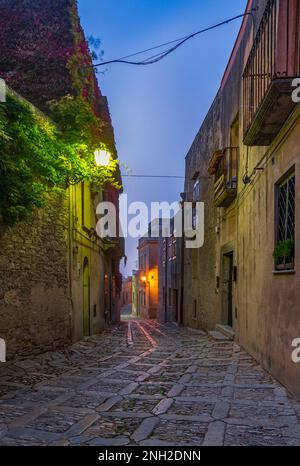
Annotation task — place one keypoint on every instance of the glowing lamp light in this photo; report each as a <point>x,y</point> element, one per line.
<point>102,158</point>
<point>144,279</point>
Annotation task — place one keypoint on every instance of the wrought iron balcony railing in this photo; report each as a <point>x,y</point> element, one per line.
<point>272,65</point>
<point>224,166</point>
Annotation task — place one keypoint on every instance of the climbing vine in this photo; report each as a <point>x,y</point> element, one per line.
<point>38,157</point>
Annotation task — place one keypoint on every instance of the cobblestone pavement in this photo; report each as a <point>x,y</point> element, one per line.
<point>148,384</point>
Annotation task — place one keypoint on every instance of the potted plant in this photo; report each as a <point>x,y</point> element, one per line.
<point>284,255</point>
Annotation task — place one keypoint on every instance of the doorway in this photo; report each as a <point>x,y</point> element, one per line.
<point>86,299</point>
<point>228,264</point>
<point>176,306</point>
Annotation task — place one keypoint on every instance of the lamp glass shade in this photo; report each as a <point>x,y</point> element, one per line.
<point>102,158</point>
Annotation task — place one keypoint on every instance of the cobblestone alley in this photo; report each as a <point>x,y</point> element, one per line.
<point>143,383</point>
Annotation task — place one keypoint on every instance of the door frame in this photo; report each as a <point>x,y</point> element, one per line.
<point>227,284</point>
<point>86,306</point>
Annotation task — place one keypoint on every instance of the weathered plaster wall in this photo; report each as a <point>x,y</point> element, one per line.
<point>269,304</point>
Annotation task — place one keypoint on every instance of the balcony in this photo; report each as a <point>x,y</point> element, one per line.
<point>223,166</point>
<point>272,65</point>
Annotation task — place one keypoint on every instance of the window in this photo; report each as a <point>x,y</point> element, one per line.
<point>194,218</point>
<point>170,249</point>
<point>172,246</point>
<point>143,261</point>
<point>196,189</point>
<point>82,205</point>
<point>85,193</point>
<point>164,252</point>
<point>284,253</point>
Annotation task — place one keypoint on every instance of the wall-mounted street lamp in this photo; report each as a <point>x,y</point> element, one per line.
<point>102,158</point>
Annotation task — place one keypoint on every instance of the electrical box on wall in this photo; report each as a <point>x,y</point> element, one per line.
<point>2,350</point>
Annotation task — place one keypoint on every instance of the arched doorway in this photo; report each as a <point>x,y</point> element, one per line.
<point>86,298</point>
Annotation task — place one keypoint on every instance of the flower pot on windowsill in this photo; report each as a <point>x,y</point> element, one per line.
<point>288,266</point>
<point>284,255</point>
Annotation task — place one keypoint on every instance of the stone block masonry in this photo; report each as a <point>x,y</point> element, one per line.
<point>35,305</point>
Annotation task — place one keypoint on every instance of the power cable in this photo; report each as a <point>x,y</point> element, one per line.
<point>163,176</point>
<point>156,58</point>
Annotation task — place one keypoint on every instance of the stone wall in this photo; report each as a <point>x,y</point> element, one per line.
<point>203,306</point>
<point>35,306</point>
<point>200,302</point>
<point>36,43</point>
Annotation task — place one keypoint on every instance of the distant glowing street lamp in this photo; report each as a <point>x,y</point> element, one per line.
<point>102,158</point>
<point>144,279</point>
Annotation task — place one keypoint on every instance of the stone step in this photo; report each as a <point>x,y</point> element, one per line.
<point>226,330</point>
<point>218,336</point>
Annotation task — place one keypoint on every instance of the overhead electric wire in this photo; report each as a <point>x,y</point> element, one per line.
<point>158,57</point>
<point>178,177</point>
<point>152,176</point>
<point>153,48</point>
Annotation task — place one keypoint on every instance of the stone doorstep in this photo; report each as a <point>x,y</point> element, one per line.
<point>218,336</point>
<point>226,330</point>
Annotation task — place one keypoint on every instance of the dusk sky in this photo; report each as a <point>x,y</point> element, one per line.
<point>158,109</point>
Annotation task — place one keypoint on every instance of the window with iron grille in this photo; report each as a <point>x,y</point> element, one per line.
<point>285,235</point>
<point>172,248</point>
<point>194,217</point>
<point>164,252</point>
<point>196,190</point>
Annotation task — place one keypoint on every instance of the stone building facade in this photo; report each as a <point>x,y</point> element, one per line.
<point>170,292</point>
<point>58,280</point>
<point>126,295</point>
<point>147,287</point>
<point>245,279</point>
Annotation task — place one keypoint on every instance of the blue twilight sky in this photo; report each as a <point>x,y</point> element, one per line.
<point>158,109</point>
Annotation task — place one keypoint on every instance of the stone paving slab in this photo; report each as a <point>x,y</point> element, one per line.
<point>151,385</point>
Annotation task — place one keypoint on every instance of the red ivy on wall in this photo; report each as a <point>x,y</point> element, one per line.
<point>44,55</point>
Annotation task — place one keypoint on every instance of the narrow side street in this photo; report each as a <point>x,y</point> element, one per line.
<point>143,383</point>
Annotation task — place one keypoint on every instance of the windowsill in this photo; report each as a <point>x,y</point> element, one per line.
<point>284,272</point>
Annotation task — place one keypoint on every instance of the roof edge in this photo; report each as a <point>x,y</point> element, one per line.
<point>237,44</point>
